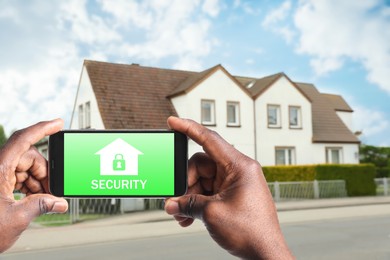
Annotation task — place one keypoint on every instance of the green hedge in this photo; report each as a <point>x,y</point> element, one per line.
<point>382,172</point>
<point>359,178</point>
<point>289,173</point>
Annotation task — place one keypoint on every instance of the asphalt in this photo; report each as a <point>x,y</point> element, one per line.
<point>147,224</point>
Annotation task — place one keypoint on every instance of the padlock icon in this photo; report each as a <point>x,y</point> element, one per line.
<point>119,164</point>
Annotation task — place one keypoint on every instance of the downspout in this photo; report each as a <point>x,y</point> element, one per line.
<point>254,128</point>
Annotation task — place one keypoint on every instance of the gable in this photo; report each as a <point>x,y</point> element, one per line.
<point>258,86</point>
<point>196,79</point>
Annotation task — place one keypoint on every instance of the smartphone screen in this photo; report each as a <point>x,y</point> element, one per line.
<point>118,163</point>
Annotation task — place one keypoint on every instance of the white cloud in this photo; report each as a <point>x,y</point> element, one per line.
<point>211,7</point>
<point>274,21</point>
<point>371,122</point>
<point>332,31</point>
<point>278,14</point>
<point>46,42</point>
<point>84,27</point>
<point>171,29</point>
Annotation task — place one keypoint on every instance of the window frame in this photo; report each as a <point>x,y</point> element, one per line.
<point>81,116</point>
<point>328,154</point>
<point>212,121</point>
<point>237,112</point>
<point>290,157</point>
<point>87,114</point>
<point>278,116</point>
<point>299,117</point>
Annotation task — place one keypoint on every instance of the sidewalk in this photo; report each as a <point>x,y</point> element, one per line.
<point>157,223</point>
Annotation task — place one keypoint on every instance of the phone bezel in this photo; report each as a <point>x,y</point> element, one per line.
<point>56,163</point>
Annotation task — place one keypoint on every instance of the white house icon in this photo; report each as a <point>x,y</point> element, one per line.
<point>128,159</point>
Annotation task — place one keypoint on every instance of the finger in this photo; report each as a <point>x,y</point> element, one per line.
<point>190,206</point>
<point>214,145</point>
<point>200,165</point>
<point>21,177</point>
<point>37,204</point>
<point>34,163</point>
<point>34,185</point>
<point>36,166</point>
<point>21,141</point>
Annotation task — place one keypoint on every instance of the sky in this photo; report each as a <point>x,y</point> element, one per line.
<point>341,46</point>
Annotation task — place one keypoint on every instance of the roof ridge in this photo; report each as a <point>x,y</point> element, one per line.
<point>136,64</point>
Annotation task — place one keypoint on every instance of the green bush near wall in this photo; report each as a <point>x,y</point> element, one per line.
<point>359,178</point>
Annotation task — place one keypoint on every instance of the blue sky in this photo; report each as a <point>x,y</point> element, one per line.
<point>341,46</point>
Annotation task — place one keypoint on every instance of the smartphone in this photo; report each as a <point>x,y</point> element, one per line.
<point>114,163</point>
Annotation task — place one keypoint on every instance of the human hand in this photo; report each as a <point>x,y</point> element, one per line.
<point>228,192</point>
<point>23,168</point>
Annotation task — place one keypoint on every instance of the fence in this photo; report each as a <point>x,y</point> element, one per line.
<point>84,209</point>
<point>307,190</point>
<point>382,186</point>
<point>87,209</point>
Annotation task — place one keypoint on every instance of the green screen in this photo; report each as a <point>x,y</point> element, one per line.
<point>118,164</point>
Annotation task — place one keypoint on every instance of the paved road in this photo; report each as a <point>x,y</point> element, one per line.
<point>359,238</point>
<point>363,237</point>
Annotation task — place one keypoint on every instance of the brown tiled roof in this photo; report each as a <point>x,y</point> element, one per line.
<point>132,96</point>
<point>327,126</point>
<point>191,82</point>
<point>137,97</point>
<point>337,102</point>
<point>260,85</point>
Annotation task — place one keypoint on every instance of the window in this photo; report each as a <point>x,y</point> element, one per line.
<point>334,155</point>
<point>81,116</point>
<point>284,155</point>
<point>208,112</point>
<point>88,115</point>
<point>274,116</point>
<point>295,117</point>
<point>233,114</point>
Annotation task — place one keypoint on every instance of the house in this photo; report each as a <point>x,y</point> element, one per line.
<point>118,158</point>
<point>272,119</point>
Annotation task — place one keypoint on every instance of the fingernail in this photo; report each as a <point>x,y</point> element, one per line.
<point>59,207</point>
<point>172,206</point>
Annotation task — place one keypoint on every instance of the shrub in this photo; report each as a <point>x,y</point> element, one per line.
<point>359,178</point>
<point>289,173</point>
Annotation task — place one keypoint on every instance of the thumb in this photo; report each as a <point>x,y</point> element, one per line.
<point>38,204</point>
<point>190,206</point>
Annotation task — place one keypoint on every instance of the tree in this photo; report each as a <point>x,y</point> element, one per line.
<point>379,156</point>
<point>3,137</point>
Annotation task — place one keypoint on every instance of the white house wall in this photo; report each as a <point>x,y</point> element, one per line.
<point>85,93</point>
<point>283,93</point>
<point>346,117</point>
<point>220,88</point>
<point>349,152</point>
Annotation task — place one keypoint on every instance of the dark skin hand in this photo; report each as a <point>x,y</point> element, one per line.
<point>23,168</point>
<point>228,192</point>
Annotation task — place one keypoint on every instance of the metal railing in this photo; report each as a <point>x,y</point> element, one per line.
<point>307,190</point>
<point>84,209</point>
<point>382,186</point>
